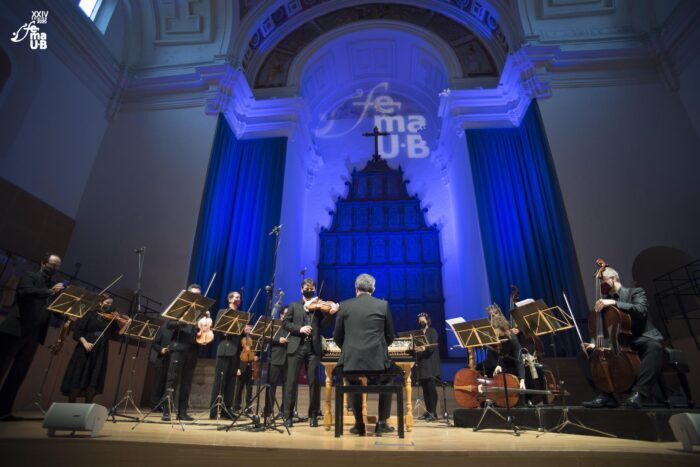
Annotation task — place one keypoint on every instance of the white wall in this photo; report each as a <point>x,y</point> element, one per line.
<point>145,190</point>
<point>628,165</point>
<point>50,152</point>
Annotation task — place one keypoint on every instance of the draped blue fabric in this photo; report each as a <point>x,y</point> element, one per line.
<point>524,228</point>
<point>241,203</point>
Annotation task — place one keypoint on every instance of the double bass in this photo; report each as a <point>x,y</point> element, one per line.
<point>614,365</point>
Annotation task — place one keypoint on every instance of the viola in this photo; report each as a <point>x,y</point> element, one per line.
<point>205,335</point>
<point>614,365</point>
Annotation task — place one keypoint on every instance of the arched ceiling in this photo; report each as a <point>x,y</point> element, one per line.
<point>474,58</point>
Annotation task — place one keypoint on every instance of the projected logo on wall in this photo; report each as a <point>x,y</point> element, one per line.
<point>403,118</point>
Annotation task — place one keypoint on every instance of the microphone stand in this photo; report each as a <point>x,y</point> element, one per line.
<point>134,309</point>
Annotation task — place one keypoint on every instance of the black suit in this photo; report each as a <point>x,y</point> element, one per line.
<point>364,330</point>
<point>303,349</point>
<point>160,362</point>
<point>22,332</point>
<point>428,369</point>
<point>646,339</point>
<point>228,359</point>
<point>183,360</point>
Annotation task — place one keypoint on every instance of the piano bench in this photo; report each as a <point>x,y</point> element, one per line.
<point>341,390</point>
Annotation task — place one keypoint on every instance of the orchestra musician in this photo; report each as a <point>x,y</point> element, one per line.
<point>228,354</point>
<point>428,367</point>
<point>25,328</point>
<point>304,348</point>
<point>364,330</point>
<point>87,368</point>
<point>183,349</point>
<point>278,365</point>
<point>508,357</point>
<point>646,340</point>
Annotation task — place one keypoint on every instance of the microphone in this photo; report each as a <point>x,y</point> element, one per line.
<point>140,250</point>
<point>276,229</point>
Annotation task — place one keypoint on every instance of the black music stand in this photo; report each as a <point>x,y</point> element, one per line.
<point>264,331</point>
<point>480,333</point>
<point>230,323</point>
<point>417,338</point>
<point>538,319</point>
<point>142,328</point>
<point>187,307</point>
<point>72,303</point>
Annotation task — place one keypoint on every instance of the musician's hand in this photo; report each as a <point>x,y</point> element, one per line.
<point>602,303</point>
<point>420,348</point>
<point>515,331</point>
<point>57,287</point>
<point>522,384</point>
<point>255,359</point>
<point>498,370</point>
<point>306,330</point>
<point>283,340</point>
<point>238,372</point>
<point>88,346</point>
<point>334,308</point>
<point>587,346</point>
<point>164,350</point>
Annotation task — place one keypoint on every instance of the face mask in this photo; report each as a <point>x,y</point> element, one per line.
<point>605,288</point>
<point>423,324</point>
<point>308,294</point>
<point>48,270</point>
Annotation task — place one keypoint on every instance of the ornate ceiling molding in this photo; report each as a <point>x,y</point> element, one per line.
<point>474,58</point>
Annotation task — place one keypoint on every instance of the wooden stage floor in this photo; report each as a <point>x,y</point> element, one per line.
<point>432,444</point>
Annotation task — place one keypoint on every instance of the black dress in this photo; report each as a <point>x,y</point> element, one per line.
<point>86,371</point>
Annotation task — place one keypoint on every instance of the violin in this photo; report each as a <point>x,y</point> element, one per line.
<point>205,335</point>
<point>119,318</point>
<point>614,365</point>
<point>56,347</point>
<point>319,305</point>
<point>247,353</point>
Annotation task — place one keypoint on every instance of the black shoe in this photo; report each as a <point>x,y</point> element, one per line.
<point>165,417</point>
<point>185,417</point>
<point>358,429</point>
<point>381,428</point>
<point>634,401</point>
<point>313,422</point>
<point>430,418</point>
<point>288,422</point>
<point>424,416</point>
<point>602,401</point>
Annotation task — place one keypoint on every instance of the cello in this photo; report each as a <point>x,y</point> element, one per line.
<point>614,365</point>
<point>471,388</point>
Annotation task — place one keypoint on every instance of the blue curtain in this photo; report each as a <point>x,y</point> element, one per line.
<point>241,203</point>
<point>524,228</point>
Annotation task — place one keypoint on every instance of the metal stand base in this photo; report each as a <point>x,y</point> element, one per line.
<point>510,425</point>
<point>126,400</point>
<point>167,398</point>
<point>565,421</point>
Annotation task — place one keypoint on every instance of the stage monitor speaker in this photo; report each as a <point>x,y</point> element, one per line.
<point>75,417</point>
<point>686,429</point>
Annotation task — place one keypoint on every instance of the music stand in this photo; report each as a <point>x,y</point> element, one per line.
<point>417,338</point>
<point>141,328</point>
<point>73,302</point>
<point>230,322</point>
<point>264,331</point>
<point>480,333</point>
<point>538,319</point>
<point>188,307</point>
